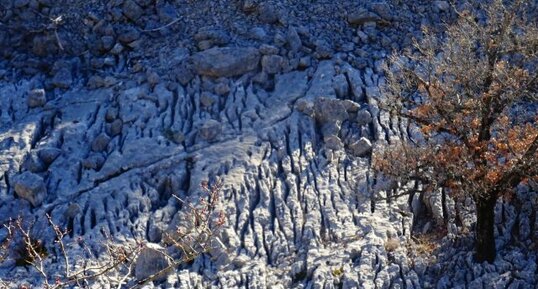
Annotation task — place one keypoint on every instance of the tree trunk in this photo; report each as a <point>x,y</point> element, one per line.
<point>484,233</point>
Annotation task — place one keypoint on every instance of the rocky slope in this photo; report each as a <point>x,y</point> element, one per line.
<point>108,113</point>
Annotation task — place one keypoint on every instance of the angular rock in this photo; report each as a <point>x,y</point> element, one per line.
<point>111,114</point>
<point>167,13</point>
<point>30,187</point>
<point>20,3</point>
<point>267,13</point>
<point>323,49</point>
<point>36,98</point>
<point>49,155</point>
<point>351,106</point>
<point>62,78</point>
<point>150,261</point>
<point>364,117</point>
<point>330,110</point>
<point>222,89</point>
<point>128,34</point>
<point>184,74</point>
<point>248,6</point>
<point>361,147</point>
<point>210,130</point>
<point>266,49</point>
<point>272,64</point>
<point>294,41</point>
<point>108,42</point>
<point>226,61</point>
<point>93,162</point>
<point>441,5</point>
<point>362,16</point>
<point>131,10</point>
<point>305,62</point>
<point>114,128</point>
<point>383,9</point>
<point>214,36</point>
<point>356,83</point>
<point>333,142</point>
<point>100,143</point>
<point>33,164</point>
<point>305,106</point>
<point>257,33</point>
<point>341,86</point>
<point>207,99</point>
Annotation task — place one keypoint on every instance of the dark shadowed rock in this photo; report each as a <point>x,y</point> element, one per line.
<point>294,41</point>
<point>329,110</point>
<point>268,13</point>
<point>362,16</point>
<point>48,155</point>
<point>266,49</point>
<point>361,147</point>
<point>364,117</point>
<point>36,98</point>
<point>333,142</point>
<point>100,143</point>
<point>131,10</point>
<point>20,3</point>
<point>62,78</point>
<point>114,128</point>
<point>30,187</point>
<point>93,162</point>
<point>167,13</point>
<point>272,63</point>
<point>341,86</point>
<point>128,34</point>
<point>150,261</point>
<point>184,74</point>
<point>33,164</point>
<point>226,61</point>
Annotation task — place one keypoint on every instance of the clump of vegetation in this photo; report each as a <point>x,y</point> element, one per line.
<point>468,91</point>
<point>118,259</point>
<point>392,244</point>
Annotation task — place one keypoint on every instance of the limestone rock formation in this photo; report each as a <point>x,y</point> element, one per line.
<point>226,61</point>
<point>30,187</point>
<point>280,100</point>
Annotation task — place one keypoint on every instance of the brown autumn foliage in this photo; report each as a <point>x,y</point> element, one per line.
<point>472,93</point>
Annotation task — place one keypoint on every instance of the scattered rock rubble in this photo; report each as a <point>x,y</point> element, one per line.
<point>110,110</point>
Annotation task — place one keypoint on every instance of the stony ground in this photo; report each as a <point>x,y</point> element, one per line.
<point>119,104</point>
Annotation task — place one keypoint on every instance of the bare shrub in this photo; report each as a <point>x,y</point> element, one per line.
<point>119,258</point>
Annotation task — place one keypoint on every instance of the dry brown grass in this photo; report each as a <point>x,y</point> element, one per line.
<point>392,244</point>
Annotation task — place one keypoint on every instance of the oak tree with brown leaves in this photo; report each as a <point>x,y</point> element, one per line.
<point>472,93</point>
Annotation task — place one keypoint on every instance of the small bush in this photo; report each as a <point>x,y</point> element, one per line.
<point>392,244</point>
